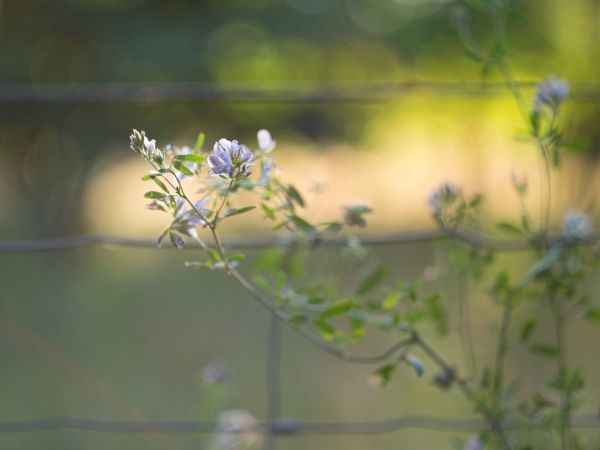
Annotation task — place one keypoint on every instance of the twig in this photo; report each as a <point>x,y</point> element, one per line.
<point>283,427</point>
<point>261,92</point>
<point>470,237</point>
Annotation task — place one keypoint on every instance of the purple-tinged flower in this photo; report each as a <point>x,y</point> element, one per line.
<point>214,372</point>
<point>443,195</point>
<point>416,364</point>
<point>230,158</point>
<point>474,443</point>
<point>551,92</point>
<point>266,143</point>
<point>577,224</point>
<point>186,220</point>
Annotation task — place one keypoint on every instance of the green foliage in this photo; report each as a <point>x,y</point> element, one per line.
<point>311,278</point>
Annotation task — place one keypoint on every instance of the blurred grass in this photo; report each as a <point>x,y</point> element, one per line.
<point>125,332</point>
<point>117,333</point>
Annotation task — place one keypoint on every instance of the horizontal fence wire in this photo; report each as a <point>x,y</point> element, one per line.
<point>293,91</point>
<point>470,237</point>
<point>283,427</point>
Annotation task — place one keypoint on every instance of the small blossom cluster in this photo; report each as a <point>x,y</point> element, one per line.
<point>140,144</point>
<point>577,225</point>
<point>442,196</point>
<point>230,159</point>
<point>550,92</point>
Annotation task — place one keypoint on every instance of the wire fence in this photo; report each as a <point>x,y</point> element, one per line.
<point>368,92</point>
<point>275,426</point>
<point>269,92</point>
<point>281,427</point>
<point>470,237</point>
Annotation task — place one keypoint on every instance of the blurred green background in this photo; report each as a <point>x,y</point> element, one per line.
<point>125,333</point>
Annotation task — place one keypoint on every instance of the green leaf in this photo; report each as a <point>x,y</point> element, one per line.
<point>510,228</point>
<point>357,328</point>
<point>199,142</point>
<point>199,159</point>
<point>269,259</point>
<point>534,119</point>
<point>525,223</point>
<point>577,145</point>
<point>236,211</point>
<point>545,350</point>
<point>527,329</point>
<point>501,283</point>
<point>238,257</point>
<point>326,331</point>
<point>160,184</point>
<point>162,236</point>
<point>303,225</point>
<point>593,314</point>
<point>383,375</point>
<point>181,167</point>
<point>371,281</point>
<point>295,195</point>
<point>154,195</point>
<point>262,283</point>
<point>280,280</point>
<point>391,301</point>
<point>437,313</point>
<point>339,308</point>
<point>269,212</point>
<point>297,319</point>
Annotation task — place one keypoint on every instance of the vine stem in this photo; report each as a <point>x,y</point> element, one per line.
<point>565,397</point>
<point>498,373</point>
<point>276,312</point>
<point>464,325</point>
<point>488,415</point>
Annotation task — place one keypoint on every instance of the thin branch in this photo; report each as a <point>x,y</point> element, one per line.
<point>282,427</point>
<point>266,92</point>
<point>470,237</point>
<point>313,338</point>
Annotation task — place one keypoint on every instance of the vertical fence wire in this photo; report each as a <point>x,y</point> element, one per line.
<point>273,379</point>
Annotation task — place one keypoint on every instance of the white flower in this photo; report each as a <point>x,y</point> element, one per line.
<point>140,144</point>
<point>231,431</point>
<point>150,145</point>
<point>266,143</point>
